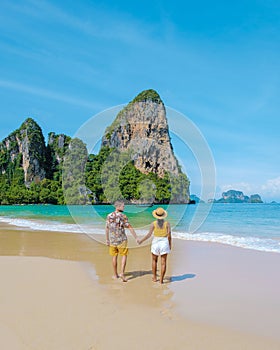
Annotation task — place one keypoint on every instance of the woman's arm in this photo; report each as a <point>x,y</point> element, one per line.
<point>169,234</point>
<point>148,235</point>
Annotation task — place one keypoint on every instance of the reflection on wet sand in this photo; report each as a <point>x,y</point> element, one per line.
<point>82,248</point>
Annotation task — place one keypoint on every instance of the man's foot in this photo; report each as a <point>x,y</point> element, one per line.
<point>115,277</point>
<point>154,279</point>
<point>123,278</point>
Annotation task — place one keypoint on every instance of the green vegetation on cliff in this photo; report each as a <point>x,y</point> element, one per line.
<point>61,172</point>
<point>111,175</point>
<point>27,173</point>
<point>147,95</point>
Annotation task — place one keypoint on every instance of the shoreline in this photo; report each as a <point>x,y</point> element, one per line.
<point>267,245</point>
<point>218,297</point>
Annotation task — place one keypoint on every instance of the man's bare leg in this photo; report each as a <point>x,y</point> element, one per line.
<point>124,259</point>
<point>115,266</point>
<point>154,267</point>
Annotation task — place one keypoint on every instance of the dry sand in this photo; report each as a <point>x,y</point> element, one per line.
<point>57,293</point>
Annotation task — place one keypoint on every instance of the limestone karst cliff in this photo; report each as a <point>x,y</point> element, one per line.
<point>141,129</point>
<point>62,172</point>
<point>58,144</point>
<point>56,149</point>
<point>30,170</point>
<point>25,147</point>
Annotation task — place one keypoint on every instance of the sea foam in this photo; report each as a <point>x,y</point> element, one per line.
<point>54,226</point>
<point>253,243</point>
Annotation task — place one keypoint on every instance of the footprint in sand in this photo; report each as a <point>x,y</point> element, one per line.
<point>166,313</point>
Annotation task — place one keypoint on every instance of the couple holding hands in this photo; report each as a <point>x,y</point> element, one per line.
<point>116,239</point>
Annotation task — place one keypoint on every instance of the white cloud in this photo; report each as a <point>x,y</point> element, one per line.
<point>246,188</point>
<point>101,23</point>
<point>34,90</point>
<point>272,188</point>
<point>269,191</point>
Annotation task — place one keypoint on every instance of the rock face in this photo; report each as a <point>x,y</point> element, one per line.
<point>255,198</point>
<point>194,199</point>
<point>233,196</point>
<point>141,128</point>
<point>144,157</point>
<point>55,151</point>
<point>26,147</point>
<point>58,144</point>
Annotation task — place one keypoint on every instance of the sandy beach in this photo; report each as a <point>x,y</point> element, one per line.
<point>57,293</point>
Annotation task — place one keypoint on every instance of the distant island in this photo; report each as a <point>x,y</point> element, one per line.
<point>231,196</point>
<point>62,172</point>
<point>195,199</point>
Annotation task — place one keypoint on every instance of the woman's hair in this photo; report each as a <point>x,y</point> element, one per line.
<point>160,223</point>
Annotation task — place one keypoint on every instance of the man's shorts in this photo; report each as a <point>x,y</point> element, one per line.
<point>119,249</point>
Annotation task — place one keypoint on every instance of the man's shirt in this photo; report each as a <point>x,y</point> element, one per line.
<point>116,223</point>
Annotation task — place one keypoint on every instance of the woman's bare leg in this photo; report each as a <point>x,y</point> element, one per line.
<point>163,259</point>
<point>154,267</point>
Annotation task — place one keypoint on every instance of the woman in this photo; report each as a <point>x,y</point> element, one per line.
<point>161,243</point>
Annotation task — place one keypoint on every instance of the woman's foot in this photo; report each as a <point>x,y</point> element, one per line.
<point>123,278</point>
<point>154,279</point>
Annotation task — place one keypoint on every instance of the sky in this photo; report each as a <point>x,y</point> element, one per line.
<point>216,62</point>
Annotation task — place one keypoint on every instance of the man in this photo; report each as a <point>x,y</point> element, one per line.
<point>116,238</point>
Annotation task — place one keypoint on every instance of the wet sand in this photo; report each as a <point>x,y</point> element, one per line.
<point>57,293</point>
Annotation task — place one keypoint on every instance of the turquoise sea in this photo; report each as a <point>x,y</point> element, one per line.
<point>250,226</point>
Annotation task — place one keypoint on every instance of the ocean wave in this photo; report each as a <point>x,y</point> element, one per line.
<point>54,226</point>
<point>253,243</point>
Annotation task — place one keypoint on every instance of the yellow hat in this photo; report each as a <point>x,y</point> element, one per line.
<point>159,213</point>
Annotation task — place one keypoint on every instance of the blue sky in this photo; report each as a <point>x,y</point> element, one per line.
<point>217,62</point>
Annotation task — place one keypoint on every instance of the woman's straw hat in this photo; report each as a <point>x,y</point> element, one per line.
<point>159,213</point>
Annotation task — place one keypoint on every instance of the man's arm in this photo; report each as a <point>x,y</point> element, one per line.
<point>148,235</point>
<point>131,229</point>
<point>107,234</point>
